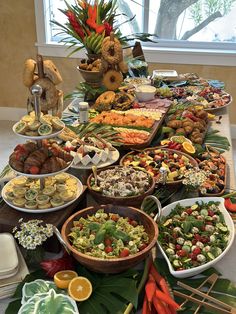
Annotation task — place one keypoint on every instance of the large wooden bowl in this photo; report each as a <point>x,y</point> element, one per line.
<point>135,200</point>
<point>115,265</point>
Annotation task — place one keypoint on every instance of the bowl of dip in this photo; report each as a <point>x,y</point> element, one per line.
<point>145,92</point>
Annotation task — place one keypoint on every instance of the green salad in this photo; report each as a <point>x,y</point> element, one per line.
<point>108,235</point>
<point>193,235</point>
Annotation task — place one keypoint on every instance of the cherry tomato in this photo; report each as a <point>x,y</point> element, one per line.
<point>211,213</point>
<point>182,253</point>
<point>193,256</point>
<point>178,247</point>
<point>134,223</point>
<point>114,217</point>
<point>189,211</point>
<point>125,252</point>
<point>197,237</point>
<point>108,249</point>
<point>205,239</point>
<point>197,251</point>
<point>107,242</point>
<point>142,247</point>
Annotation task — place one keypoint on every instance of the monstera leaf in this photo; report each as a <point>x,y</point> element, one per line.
<point>50,302</point>
<point>111,293</point>
<point>36,287</point>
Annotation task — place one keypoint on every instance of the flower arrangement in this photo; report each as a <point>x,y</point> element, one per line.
<point>89,24</point>
<point>32,234</point>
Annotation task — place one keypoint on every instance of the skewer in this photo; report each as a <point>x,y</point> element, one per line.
<point>210,279</point>
<point>204,295</point>
<point>203,303</point>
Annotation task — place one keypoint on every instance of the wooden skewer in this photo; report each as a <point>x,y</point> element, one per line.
<point>210,279</point>
<point>203,303</point>
<point>204,295</point>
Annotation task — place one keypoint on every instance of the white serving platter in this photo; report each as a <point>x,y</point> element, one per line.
<point>114,157</point>
<point>228,220</point>
<point>47,210</point>
<point>39,137</point>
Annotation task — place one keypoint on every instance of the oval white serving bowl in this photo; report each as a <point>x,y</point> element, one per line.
<point>228,220</point>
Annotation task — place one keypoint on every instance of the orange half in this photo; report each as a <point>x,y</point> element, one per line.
<point>80,288</point>
<point>63,278</point>
<point>188,148</point>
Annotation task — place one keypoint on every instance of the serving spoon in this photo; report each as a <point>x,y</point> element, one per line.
<point>95,187</point>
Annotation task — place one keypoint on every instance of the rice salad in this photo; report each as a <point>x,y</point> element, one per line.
<point>108,235</point>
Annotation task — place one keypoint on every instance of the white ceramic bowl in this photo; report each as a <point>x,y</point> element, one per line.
<point>228,220</point>
<point>145,92</point>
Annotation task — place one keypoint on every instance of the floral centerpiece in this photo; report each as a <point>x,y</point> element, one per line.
<point>31,235</point>
<point>89,24</point>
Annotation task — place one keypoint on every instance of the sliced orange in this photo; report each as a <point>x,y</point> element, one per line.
<point>63,278</point>
<point>80,288</point>
<point>188,148</point>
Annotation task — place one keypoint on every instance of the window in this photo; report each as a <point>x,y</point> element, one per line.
<point>201,33</point>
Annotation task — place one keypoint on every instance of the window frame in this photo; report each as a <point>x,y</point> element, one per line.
<point>172,52</point>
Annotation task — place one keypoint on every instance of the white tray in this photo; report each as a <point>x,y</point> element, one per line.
<point>109,162</point>
<point>47,210</point>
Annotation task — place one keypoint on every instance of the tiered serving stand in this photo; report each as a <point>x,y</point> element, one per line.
<point>36,91</point>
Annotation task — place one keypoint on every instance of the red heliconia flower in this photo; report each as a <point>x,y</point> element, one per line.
<point>74,23</point>
<point>108,28</point>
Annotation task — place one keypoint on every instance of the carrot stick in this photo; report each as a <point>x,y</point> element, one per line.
<point>159,306</point>
<point>166,298</point>
<point>145,308</point>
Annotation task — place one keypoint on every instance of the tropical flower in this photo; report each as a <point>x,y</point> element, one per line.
<point>32,233</point>
<point>88,24</point>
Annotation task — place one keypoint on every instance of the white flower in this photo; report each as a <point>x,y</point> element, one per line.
<point>32,233</point>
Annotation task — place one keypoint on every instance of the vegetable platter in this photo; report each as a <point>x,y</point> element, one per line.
<point>153,158</point>
<point>202,237</point>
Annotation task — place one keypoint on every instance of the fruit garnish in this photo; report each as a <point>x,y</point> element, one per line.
<point>188,148</point>
<point>180,139</point>
<point>80,288</point>
<point>63,278</point>
<point>165,142</point>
